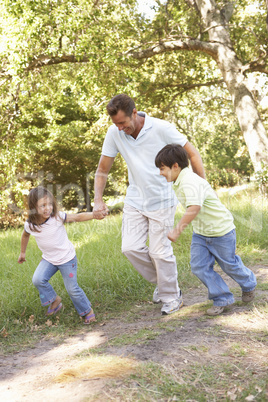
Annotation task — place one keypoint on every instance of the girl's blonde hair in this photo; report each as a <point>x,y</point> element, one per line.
<point>34,196</point>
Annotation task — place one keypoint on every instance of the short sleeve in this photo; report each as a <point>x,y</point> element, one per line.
<point>109,147</point>
<point>63,216</point>
<point>27,228</point>
<point>173,136</point>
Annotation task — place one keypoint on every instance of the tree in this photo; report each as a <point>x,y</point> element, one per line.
<point>213,39</point>
<point>62,60</point>
<point>51,125</point>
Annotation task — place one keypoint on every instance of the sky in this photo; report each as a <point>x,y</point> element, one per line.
<point>145,7</point>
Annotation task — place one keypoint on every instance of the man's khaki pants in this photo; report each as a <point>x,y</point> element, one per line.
<point>155,263</point>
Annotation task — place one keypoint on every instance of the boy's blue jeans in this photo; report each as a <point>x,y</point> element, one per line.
<point>204,252</point>
<point>46,270</point>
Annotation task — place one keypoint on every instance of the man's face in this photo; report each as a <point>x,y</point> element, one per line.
<point>124,122</point>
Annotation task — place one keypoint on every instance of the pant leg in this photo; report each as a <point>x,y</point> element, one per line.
<point>161,253</point>
<point>135,229</point>
<point>157,264</point>
<point>42,275</point>
<point>77,295</point>
<point>224,250</point>
<point>202,264</point>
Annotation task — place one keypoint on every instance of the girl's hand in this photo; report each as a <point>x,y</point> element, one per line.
<point>21,258</point>
<point>100,214</point>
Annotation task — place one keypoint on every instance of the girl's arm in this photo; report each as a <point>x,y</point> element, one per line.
<point>24,242</point>
<point>191,212</point>
<point>83,216</point>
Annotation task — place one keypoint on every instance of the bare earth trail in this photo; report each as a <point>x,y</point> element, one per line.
<point>175,341</point>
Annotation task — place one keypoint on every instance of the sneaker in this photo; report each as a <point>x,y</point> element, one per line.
<point>174,305</point>
<point>215,310</point>
<point>156,299</point>
<point>248,296</point>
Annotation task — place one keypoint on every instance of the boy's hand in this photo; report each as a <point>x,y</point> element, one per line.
<point>173,235</point>
<point>21,258</point>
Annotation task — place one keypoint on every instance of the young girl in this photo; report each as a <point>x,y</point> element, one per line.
<point>46,224</point>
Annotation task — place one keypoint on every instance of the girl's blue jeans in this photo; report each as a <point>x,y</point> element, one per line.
<point>204,252</point>
<point>68,270</point>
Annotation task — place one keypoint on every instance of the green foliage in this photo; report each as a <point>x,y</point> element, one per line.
<point>262,178</point>
<point>63,60</point>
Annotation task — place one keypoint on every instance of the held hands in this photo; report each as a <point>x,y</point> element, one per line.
<point>100,210</point>
<point>21,258</point>
<point>173,235</point>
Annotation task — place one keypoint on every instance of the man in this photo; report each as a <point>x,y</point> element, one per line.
<point>150,202</point>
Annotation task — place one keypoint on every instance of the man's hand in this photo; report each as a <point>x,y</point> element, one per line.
<point>21,258</point>
<point>100,210</point>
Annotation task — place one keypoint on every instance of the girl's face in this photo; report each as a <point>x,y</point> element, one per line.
<point>44,208</point>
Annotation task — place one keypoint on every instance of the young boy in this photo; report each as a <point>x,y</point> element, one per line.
<point>214,236</point>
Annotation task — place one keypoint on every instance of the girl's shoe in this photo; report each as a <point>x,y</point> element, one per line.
<point>89,318</point>
<point>52,311</point>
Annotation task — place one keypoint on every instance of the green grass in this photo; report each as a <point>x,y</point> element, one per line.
<point>202,383</point>
<point>106,276</point>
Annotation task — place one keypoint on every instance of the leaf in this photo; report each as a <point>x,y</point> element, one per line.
<point>31,318</point>
<point>231,395</point>
<point>48,323</point>
<point>250,398</point>
<point>4,333</point>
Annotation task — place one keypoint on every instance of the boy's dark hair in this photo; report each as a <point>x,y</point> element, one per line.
<point>170,154</point>
<point>121,102</point>
<point>34,196</point>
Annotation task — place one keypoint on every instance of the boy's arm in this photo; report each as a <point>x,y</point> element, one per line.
<point>84,216</point>
<point>24,242</point>
<point>191,212</point>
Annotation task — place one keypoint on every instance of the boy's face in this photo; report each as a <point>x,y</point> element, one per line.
<point>170,174</point>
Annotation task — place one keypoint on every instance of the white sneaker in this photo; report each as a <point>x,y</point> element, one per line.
<point>171,307</point>
<point>156,299</point>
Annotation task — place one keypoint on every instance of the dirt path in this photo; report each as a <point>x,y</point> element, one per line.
<point>178,340</point>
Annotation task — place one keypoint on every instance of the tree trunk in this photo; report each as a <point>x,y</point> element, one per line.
<point>220,48</point>
<point>216,22</point>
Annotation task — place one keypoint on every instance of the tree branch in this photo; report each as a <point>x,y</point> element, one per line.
<point>44,60</point>
<point>259,65</point>
<point>188,87</point>
<point>168,46</point>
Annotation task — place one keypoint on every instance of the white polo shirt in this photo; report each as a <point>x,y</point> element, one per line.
<point>52,240</point>
<point>147,190</point>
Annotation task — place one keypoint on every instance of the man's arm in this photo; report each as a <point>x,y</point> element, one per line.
<point>191,212</point>
<point>101,175</point>
<point>195,159</point>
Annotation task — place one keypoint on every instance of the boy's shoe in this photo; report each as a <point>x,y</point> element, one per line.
<point>156,299</point>
<point>171,307</point>
<point>215,310</point>
<point>248,296</point>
